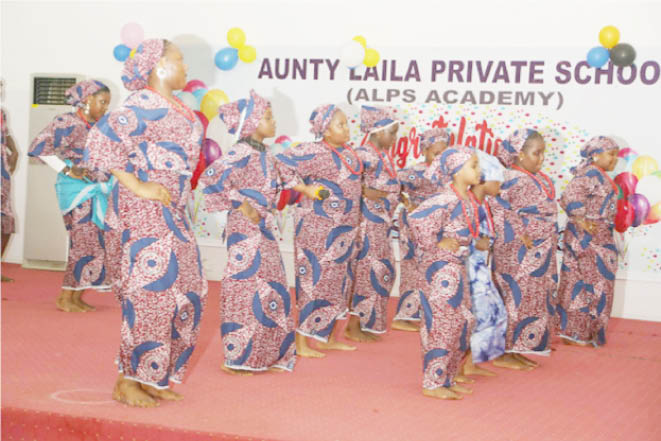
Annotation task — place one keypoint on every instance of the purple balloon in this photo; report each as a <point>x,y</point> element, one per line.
<point>211,150</point>
<point>641,208</point>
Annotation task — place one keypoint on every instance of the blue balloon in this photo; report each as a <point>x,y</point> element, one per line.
<point>199,94</point>
<point>121,52</point>
<point>226,58</point>
<point>598,56</point>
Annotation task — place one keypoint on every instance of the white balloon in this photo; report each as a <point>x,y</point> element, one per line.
<point>190,100</point>
<point>352,54</point>
<point>650,187</point>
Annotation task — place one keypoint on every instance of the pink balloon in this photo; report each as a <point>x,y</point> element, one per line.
<point>211,150</point>
<point>203,119</point>
<point>641,208</point>
<point>132,35</point>
<point>623,153</point>
<point>193,85</point>
<point>627,182</point>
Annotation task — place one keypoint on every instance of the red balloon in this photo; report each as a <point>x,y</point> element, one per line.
<point>294,197</point>
<point>624,216</point>
<point>641,208</point>
<point>623,153</point>
<point>193,85</point>
<point>282,139</point>
<point>284,199</point>
<point>199,169</point>
<point>627,182</point>
<point>203,119</point>
<point>211,150</point>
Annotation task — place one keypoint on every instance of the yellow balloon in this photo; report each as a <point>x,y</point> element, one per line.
<point>211,101</point>
<point>643,166</point>
<point>132,53</point>
<point>609,36</point>
<point>247,54</point>
<point>372,57</point>
<point>236,38</point>
<point>360,39</point>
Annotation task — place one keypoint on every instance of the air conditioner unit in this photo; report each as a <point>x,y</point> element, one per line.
<point>46,239</point>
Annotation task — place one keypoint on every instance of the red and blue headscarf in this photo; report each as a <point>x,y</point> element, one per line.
<point>448,163</point>
<point>137,67</point>
<point>79,92</point>
<point>594,146</point>
<point>373,119</point>
<point>432,136</point>
<point>513,145</point>
<point>243,116</point>
<point>321,118</point>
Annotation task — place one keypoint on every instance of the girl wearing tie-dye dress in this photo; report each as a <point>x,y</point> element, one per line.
<point>257,324</point>
<point>151,144</point>
<point>326,232</point>
<point>418,188</point>
<point>375,262</point>
<point>65,138</point>
<point>524,265</point>
<point>587,276</point>
<point>444,226</point>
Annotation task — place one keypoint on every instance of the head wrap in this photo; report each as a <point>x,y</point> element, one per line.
<point>243,116</point>
<point>492,169</point>
<point>448,163</point>
<point>373,119</point>
<point>77,93</point>
<point>594,146</point>
<point>432,136</point>
<point>138,67</point>
<point>321,118</point>
<point>511,147</point>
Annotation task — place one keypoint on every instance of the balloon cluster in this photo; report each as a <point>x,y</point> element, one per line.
<point>356,53</point>
<point>620,54</point>
<point>131,35</point>
<point>639,199</point>
<point>227,58</point>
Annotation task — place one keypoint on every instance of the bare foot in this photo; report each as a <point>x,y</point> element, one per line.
<point>7,279</point>
<point>65,304</point>
<point>332,344</point>
<point>354,333</point>
<point>462,379</point>
<point>129,392</point>
<point>405,325</point>
<point>77,299</point>
<point>277,369</point>
<point>473,369</point>
<point>461,389</point>
<point>443,393</point>
<point>238,372</point>
<point>162,394</point>
<point>508,361</point>
<point>526,360</point>
<point>303,350</point>
<point>575,343</point>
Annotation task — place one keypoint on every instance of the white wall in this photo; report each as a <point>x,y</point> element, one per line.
<point>65,37</point>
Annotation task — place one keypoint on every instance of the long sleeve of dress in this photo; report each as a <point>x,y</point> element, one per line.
<point>217,190</point>
<point>427,222</point>
<point>109,145</point>
<point>574,198</point>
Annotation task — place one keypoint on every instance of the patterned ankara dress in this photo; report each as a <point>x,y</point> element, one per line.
<point>257,324</point>
<point>526,278</point>
<point>419,189</point>
<point>325,234</point>
<point>445,302</point>
<point>65,138</point>
<point>589,265</point>
<point>161,286</point>
<point>375,262</point>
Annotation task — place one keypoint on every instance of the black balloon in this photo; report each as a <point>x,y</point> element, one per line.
<point>623,54</point>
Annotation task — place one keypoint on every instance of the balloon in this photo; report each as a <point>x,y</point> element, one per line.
<point>360,39</point>
<point>284,199</point>
<point>641,208</point>
<point>226,58</point>
<point>294,197</point>
<point>623,153</point>
<point>650,187</point>
<point>132,35</point>
<point>203,119</point>
<point>609,36</point>
<point>598,56</point>
<point>193,85</point>
<point>189,99</point>
<point>657,173</point>
<point>654,215</point>
<point>121,52</point>
<point>644,165</point>
<point>282,139</point>
<point>372,57</point>
<point>352,54</point>
<point>236,38</point>
<point>247,54</point>
<point>211,150</point>
<point>211,101</point>
<point>199,94</point>
<point>624,216</point>
<point>627,182</point>
<point>623,55</point>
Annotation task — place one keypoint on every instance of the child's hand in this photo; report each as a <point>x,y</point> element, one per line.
<point>78,172</point>
<point>586,225</point>
<point>12,158</point>
<point>373,194</point>
<point>249,212</point>
<point>483,243</point>
<point>449,243</point>
<point>527,241</point>
<point>154,192</point>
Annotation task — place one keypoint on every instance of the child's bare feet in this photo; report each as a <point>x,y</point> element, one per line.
<point>162,394</point>
<point>238,372</point>
<point>77,299</point>
<point>575,343</point>
<point>526,360</point>
<point>303,350</point>
<point>473,369</point>
<point>462,379</point>
<point>461,389</point>
<point>7,279</point>
<point>129,392</point>
<point>335,345</point>
<point>443,393</point>
<point>64,303</point>
<point>354,333</point>
<point>405,325</point>
<point>508,361</point>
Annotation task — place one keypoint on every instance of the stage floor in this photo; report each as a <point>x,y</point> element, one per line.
<point>58,372</point>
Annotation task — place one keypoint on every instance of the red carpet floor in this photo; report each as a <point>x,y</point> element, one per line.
<point>58,371</point>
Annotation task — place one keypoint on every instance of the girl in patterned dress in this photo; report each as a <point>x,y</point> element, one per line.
<point>375,263</point>
<point>65,138</point>
<point>589,265</point>
<point>524,265</point>
<point>325,231</point>
<point>9,158</point>
<point>432,143</point>
<point>151,144</point>
<point>257,324</point>
<point>444,226</point>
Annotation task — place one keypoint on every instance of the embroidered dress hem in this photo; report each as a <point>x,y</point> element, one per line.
<point>102,288</point>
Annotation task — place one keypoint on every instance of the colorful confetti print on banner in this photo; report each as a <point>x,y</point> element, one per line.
<point>652,257</point>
